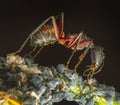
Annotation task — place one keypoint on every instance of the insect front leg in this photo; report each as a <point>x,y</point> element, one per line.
<point>89,73</point>
<point>61,25</point>
<point>59,29</point>
<point>100,68</point>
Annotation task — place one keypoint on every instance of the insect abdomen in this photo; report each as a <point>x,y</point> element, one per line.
<point>44,36</point>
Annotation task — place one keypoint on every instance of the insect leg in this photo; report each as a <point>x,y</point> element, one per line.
<point>90,74</point>
<point>61,24</point>
<point>29,53</point>
<point>85,73</point>
<point>97,71</point>
<point>77,39</point>
<point>97,57</point>
<point>25,42</point>
<point>68,62</point>
<point>81,57</point>
<point>58,29</point>
<point>38,51</point>
<point>93,71</point>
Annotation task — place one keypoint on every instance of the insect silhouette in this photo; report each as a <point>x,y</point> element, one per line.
<point>51,31</point>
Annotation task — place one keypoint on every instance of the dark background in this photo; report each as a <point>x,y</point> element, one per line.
<point>100,20</point>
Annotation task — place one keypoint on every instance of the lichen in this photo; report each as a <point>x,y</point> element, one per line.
<point>32,84</point>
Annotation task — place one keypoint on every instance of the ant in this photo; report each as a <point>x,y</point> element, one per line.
<point>51,31</point>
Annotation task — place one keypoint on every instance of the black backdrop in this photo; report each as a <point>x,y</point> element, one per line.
<point>100,20</point>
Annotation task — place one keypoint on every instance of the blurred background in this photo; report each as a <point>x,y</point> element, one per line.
<point>100,20</point>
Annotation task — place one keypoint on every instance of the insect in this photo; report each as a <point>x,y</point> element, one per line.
<point>97,57</point>
<point>45,34</point>
<point>8,99</point>
<point>51,31</point>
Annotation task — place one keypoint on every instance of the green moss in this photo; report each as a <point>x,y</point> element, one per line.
<point>87,89</point>
<point>115,102</point>
<point>100,100</point>
<point>77,89</point>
